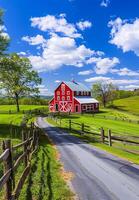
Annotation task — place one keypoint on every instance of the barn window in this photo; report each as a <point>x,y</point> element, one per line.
<point>63,98</point>
<point>58,92</point>
<point>68,92</point>
<point>68,98</point>
<point>77,93</point>
<point>84,107</point>
<point>58,98</point>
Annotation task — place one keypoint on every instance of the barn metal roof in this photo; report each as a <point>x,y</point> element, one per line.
<point>83,100</point>
<point>76,86</point>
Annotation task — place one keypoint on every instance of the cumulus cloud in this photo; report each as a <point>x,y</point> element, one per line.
<point>38,39</point>
<point>125,72</point>
<point>103,65</point>
<point>61,48</point>
<point>54,24</point>
<point>86,72</point>
<point>125,34</point>
<point>129,87</point>
<point>82,25</point>
<point>105,3</point>
<point>60,51</point>
<point>111,80</point>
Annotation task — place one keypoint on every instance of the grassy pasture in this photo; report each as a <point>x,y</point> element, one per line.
<point>45,180</point>
<point>95,122</point>
<point>130,104</point>
<point>118,127</point>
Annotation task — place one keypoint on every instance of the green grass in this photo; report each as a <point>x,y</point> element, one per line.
<point>4,108</point>
<point>130,104</point>
<point>44,181</point>
<point>118,128</point>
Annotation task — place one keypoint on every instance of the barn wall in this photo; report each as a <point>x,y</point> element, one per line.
<point>64,98</point>
<point>51,106</point>
<point>76,103</point>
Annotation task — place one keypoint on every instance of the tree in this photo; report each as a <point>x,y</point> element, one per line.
<point>17,77</point>
<point>4,38</point>
<point>105,92</point>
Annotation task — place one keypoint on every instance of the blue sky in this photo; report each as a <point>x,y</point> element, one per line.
<point>84,40</point>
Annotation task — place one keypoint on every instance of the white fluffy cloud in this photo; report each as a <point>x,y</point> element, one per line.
<point>86,72</point>
<point>105,3</point>
<point>82,25</point>
<point>103,65</point>
<point>55,24</point>
<point>60,51</point>
<point>111,80</point>
<point>125,34</point>
<point>129,87</point>
<point>38,39</point>
<point>125,72</point>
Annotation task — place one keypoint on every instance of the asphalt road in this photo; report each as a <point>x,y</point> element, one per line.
<point>98,175</point>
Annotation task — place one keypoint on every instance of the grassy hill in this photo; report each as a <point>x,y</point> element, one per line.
<point>130,104</point>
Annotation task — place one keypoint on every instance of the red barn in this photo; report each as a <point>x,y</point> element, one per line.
<point>73,97</point>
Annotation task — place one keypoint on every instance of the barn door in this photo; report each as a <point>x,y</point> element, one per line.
<point>77,108</point>
<point>56,107</point>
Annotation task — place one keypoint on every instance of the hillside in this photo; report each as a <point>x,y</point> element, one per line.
<point>130,104</point>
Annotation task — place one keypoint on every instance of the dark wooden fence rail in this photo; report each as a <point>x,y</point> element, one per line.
<point>82,128</point>
<point>30,138</point>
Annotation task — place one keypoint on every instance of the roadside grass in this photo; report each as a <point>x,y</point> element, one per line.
<point>130,104</point>
<point>119,128</point>
<point>4,108</point>
<point>44,181</point>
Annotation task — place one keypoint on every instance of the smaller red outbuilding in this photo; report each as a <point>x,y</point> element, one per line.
<point>73,97</point>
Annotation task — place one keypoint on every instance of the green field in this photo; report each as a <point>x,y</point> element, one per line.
<point>122,125</point>
<point>45,180</point>
<point>130,104</point>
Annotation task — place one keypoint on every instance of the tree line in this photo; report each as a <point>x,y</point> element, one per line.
<point>106,93</point>
<point>17,78</point>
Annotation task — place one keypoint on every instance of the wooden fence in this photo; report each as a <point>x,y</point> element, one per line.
<point>30,138</point>
<point>83,128</point>
<point>31,111</point>
<point>99,117</point>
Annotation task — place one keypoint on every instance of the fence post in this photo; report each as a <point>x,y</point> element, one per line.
<point>82,127</point>
<point>70,124</point>
<point>7,166</point>
<point>102,135</point>
<point>25,145</point>
<point>109,138</point>
<point>60,122</point>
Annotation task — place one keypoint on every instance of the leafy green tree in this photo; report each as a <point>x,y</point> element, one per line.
<point>4,39</point>
<point>17,77</point>
<point>105,92</point>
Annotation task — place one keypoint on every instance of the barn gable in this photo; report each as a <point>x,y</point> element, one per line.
<point>72,97</point>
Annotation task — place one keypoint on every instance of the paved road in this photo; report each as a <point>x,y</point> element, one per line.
<point>98,175</point>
